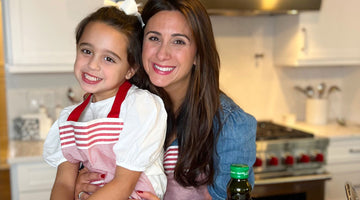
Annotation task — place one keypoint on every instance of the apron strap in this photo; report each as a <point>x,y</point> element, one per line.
<point>120,96</point>
<point>76,113</point>
<point>115,109</point>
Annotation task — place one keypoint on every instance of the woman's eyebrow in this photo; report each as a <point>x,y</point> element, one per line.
<point>153,32</point>
<point>180,35</point>
<point>173,35</point>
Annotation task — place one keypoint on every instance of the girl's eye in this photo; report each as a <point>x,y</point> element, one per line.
<point>179,42</point>
<point>86,51</point>
<point>109,59</point>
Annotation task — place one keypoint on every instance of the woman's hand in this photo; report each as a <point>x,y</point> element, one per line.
<point>83,185</point>
<point>147,195</point>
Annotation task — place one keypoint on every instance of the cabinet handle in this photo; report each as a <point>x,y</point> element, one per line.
<point>305,43</point>
<point>354,150</point>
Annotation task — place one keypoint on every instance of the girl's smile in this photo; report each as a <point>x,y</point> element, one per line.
<point>101,64</point>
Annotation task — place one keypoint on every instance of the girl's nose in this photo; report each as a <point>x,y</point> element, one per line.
<point>94,63</point>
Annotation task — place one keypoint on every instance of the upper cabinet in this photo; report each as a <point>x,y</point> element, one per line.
<point>39,35</point>
<point>330,37</point>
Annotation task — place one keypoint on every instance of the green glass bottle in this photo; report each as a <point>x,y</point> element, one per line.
<point>239,187</point>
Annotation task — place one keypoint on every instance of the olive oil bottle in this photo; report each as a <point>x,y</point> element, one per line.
<point>239,187</point>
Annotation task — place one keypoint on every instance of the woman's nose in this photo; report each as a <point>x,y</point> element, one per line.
<point>163,52</point>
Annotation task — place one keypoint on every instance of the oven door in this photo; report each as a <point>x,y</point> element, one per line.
<point>305,187</point>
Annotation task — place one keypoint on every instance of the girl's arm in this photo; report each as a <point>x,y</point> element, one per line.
<point>65,181</point>
<point>120,187</point>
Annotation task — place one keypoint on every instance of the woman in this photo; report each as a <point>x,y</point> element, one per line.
<point>209,131</point>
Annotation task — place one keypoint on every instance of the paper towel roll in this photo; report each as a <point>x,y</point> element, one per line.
<point>316,111</point>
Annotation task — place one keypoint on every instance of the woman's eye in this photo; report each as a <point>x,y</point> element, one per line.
<point>179,42</point>
<point>109,59</point>
<point>153,38</point>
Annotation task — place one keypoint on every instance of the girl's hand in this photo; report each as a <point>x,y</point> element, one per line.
<point>147,195</point>
<point>83,183</point>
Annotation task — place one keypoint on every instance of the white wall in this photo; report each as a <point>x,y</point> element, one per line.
<point>267,91</point>
<point>256,85</point>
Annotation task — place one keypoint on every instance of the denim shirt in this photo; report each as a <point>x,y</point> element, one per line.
<point>236,144</point>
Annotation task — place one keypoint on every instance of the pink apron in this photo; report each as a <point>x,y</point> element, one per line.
<point>92,142</point>
<point>174,191</point>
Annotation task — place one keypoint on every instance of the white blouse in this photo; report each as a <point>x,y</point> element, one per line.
<point>140,144</point>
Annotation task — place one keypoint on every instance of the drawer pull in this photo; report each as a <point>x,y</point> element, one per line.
<point>354,150</point>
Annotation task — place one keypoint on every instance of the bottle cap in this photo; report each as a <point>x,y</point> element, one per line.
<point>239,171</point>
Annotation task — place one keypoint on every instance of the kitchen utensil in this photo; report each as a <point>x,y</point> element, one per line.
<point>341,121</point>
<point>309,91</point>
<point>321,90</point>
<point>300,89</point>
<point>333,89</point>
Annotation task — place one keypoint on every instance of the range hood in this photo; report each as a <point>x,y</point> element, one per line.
<point>259,7</point>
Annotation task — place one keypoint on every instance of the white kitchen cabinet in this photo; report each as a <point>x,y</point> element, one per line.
<point>343,165</point>
<point>31,180</point>
<point>40,34</point>
<point>329,37</point>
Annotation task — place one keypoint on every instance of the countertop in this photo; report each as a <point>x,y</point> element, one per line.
<point>27,151</point>
<point>331,130</point>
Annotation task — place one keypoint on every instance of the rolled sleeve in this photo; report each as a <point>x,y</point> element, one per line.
<point>236,144</point>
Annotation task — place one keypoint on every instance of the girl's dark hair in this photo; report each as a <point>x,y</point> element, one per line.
<point>194,119</point>
<point>129,25</point>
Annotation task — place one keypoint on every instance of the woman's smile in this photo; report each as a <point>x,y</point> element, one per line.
<point>164,70</point>
<point>169,50</point>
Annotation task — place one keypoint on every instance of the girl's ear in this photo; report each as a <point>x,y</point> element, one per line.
<point>130,73</point>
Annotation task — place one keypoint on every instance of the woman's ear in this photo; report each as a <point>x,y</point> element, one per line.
<point>130,73</point>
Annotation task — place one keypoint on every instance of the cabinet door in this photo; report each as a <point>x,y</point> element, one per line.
<point>325,38</point>
<point>42,32</point>
<point>38,195</point>
<point>31,180</point>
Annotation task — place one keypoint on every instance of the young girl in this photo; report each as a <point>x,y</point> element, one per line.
<point>119,129</point>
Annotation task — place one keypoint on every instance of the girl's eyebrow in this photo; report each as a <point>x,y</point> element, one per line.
<point>173,35</point>
<point>106,50</point>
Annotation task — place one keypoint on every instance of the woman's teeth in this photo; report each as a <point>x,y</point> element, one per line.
<point>164,69</point>
<point>91,78</point>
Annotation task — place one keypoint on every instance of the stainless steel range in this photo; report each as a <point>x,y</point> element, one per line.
<point>282,152</point>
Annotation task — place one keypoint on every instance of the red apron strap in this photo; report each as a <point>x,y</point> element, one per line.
<point>120,96</point>
<point>115,110</point>
<point>76,113</point>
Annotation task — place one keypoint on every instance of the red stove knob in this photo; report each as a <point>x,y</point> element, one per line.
<point>258,162</point>
<point>319,157</point>
<point>289,160</point>
<point>274,161</point>
<point>304,158</point>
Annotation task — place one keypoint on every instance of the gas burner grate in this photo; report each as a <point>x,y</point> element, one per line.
<point>267,130</point>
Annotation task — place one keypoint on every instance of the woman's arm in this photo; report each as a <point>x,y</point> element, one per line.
<point>65,181</point>
<point>236,144</point>
<point>120,187</point>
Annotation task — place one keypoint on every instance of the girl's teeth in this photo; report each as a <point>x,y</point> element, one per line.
<point>91,78</point>
<point>164,69</point>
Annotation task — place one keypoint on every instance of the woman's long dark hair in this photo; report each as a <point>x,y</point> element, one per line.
<point>193,125</point>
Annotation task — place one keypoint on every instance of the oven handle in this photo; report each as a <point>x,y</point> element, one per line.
<point>354,150</point>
